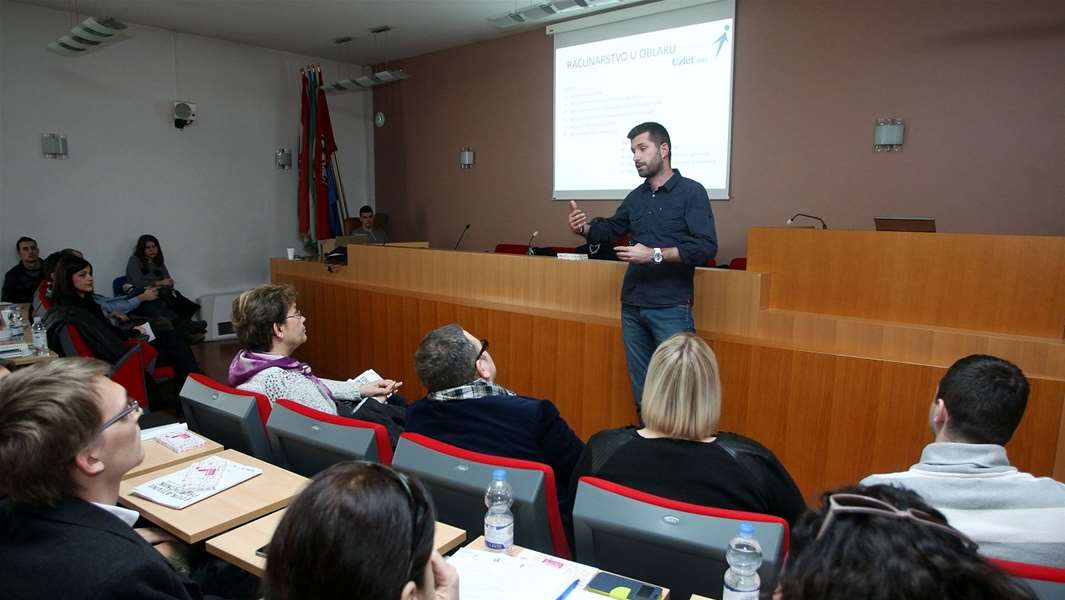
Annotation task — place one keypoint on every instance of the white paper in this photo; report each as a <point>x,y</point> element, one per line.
<point>367,376</point>
<point>146,329</point>
<point>487,575</point>
<point>154,432</point>
<point>200,480</point>
<point>181,441</point>
<point>571,256</point>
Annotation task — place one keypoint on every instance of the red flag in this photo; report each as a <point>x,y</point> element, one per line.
<point>324,147</point>
<point>303,197</point>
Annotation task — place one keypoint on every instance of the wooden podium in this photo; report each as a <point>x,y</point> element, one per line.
<point>830,345</point>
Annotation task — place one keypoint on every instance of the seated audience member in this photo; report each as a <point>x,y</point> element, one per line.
<point>359,530</point>
<point>74,304</point>
<point>67,436</point>
<point>466,408</point>
<point>20,282</point>
<point>679,453</point>
<point>886,543</point>
<point>375,235</point>
<point>270,328</point>
<point>42,298</point>
<point>146,269</point>
<point>966,475</point>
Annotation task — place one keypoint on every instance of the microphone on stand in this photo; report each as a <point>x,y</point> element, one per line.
<point>531,238</point>
<point>461,235</point>
<point>792,219</point>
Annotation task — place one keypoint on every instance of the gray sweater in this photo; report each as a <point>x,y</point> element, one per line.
<point>1012,515</point>
<point>135,273</point>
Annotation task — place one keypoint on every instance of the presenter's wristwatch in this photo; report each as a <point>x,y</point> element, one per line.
<point>657,257</point>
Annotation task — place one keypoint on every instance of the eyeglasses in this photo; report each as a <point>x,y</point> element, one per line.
<point>859,504</point>
<point>297,315</point>
<point>416,510</point>
<point>484,348</point>
<point>131,405</point>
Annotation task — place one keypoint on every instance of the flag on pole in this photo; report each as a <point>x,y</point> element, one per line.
<point>303,208</point>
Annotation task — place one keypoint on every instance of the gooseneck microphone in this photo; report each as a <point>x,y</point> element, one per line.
<point>792,219</point>
<point>531,238</point>
<point>461,235</point>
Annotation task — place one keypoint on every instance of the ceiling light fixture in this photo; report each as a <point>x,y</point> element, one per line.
<point>366,82</point>
<point>549,11</point>
<point>91,34</point>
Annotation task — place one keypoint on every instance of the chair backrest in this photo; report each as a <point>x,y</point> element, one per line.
<point>1048,583</point>
<point>457,480</point>
<point>117,284</point>
<point>72,344</point>
<point>227,415</point>
<point>740,263</point>
<point>307,441</point>
<point>128,373</point>
<point>42,294</point>
<point>669,543</point>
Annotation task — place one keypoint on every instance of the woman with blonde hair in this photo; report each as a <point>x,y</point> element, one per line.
<point>679,453</point>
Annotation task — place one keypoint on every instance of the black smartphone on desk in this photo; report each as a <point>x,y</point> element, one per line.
<point>617,586</point>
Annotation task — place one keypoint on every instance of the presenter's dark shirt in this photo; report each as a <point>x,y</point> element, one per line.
<point>677,214</point>
<point>20,283</point>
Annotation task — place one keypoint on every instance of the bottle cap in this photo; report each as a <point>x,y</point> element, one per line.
<point>747,528</point>
<point>499,474</point>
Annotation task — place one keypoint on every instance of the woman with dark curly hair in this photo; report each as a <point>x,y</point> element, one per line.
<point>884,543</point>
<point>359,530</point>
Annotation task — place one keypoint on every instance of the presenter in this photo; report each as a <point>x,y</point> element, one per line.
<point>672,232</point>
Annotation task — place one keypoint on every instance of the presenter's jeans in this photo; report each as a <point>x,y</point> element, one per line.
<point>643,329</point>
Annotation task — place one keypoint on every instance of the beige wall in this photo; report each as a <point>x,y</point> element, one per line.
<point>980,84</point>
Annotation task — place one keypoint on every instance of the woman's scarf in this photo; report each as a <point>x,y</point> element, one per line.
<point>246,364</point>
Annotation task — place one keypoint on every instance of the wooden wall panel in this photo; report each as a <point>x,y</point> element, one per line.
<point>832,419</point>
<point>1002,283</point>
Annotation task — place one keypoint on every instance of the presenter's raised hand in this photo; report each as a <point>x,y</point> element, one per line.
<point>577,219</point>
<point>637,253</point>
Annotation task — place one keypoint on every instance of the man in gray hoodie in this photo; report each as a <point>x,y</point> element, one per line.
<point>966,475</point>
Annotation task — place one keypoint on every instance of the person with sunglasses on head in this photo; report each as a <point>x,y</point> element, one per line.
<point>966,474</point>
<point>68,435</point>
<point>270,328</point>
<point>465,407</point>
<point>885,543</point>
<point>359,530</point>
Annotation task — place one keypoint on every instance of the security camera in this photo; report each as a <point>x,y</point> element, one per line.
<point>184,114</point>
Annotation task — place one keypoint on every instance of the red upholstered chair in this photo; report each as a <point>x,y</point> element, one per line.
<point>674,544</point>
<point>128,372</point>
<point>711,263</point>
<point>457,479</point>
<point>42,294</point>
<point>232,417</point>
<point>740,264</point>
<point>72,344</point>
<point>307,441</point>
<point>1047,582</point>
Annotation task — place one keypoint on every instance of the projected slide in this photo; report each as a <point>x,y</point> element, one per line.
<point>679,77</point>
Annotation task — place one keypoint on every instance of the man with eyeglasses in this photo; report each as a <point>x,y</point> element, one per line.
<point>465,407</point>
<point>67,436</point>
<point>966,475</point>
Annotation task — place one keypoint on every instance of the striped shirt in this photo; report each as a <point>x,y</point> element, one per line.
<point>1012,515</point>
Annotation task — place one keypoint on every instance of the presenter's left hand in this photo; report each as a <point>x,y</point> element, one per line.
<point>638,254</point>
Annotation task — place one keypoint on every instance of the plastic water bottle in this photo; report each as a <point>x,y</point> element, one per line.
<point>499,521</point>
<point>40,337</point>
<point>14,322</point>
<point>744,556</point>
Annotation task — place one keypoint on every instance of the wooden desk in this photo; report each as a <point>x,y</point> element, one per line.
<point>157,456</point>
<point>239,545</point>
<point>27,337</point>
<point>478,544</point>
<point>260,495</point>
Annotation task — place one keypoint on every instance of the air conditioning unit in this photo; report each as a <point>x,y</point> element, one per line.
<point>217,309</point>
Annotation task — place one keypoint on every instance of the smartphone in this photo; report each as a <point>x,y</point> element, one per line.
<point>617,586</point>
<point>261,552</point>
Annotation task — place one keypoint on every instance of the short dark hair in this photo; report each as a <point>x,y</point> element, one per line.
<point>23,239</point>
<point>658,134</point>
<point>256,311</point>
<point>366,208</point>
<point>985,397</point>
<point>138,251</point>
<point>885,558</point>
<point>354,532</point>
<point>65,293</point>
<point>48,413</point>
<point>445,358</point>
<point>52,260</point>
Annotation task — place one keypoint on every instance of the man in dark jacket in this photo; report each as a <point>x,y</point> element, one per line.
<point>67,436</point>
<point>22,279</point>
<point>466,408</point>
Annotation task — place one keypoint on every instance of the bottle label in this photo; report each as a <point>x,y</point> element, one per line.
<point>731,594</point>
<point>499,537</point>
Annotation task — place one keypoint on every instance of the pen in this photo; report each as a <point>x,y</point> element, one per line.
<point>568,589</point>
